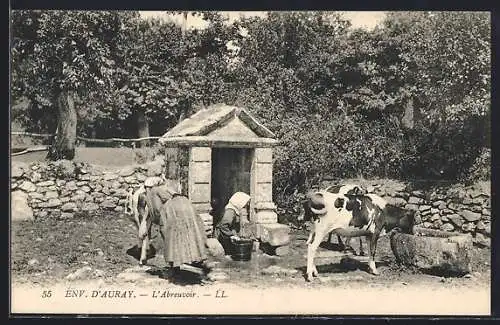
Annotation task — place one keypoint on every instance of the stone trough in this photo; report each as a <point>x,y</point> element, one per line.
<point>435,251</point>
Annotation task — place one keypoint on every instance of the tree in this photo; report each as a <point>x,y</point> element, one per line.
<point>447,60</point>
<point>65,55</point>
<point>148,80</point>
<point>166,72</point>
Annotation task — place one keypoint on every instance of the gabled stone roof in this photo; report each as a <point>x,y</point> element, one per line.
<point>217,123</point>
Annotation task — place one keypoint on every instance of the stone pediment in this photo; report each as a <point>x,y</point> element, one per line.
<point>220,123</point>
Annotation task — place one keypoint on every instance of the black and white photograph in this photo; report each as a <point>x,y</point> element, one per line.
<point>250,162</point>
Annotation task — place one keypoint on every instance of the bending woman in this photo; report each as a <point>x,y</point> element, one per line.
<point>181,228</point>
<point>229,226</point>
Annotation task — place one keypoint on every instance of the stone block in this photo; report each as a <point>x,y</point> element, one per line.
<point>202,207</point>
<point>274,234</point>
<point>52,203</point>
<point>69,207</point>
<point>127,171</point>
<point>424,207</point>
<point>200,172</point>
<point>199,154</point>
<point>108,205</point>
<point>468,227</point>
<point>215,247</point>
<point>45,183</point>
<point>110,176</point>
<point>263,173</point>
<point>264,155</point>
<point>264,192</point>
<point>84,177</point>
<point>470,216</point>
<point>20,210</point>
<point>445,252</point>
<point>415,200</point>
<point>412,207</point>
<point>436,204</point>
<point>199,193</point>
<point>266,216</point>
<point>418,193</point>
<point>28,186</point>
<point>89,207</point>
<point>447,227</point>
<point>265,206</point>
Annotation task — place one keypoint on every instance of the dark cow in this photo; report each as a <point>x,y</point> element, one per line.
<point>372,213</point>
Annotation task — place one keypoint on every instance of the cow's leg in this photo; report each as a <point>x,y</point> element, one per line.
<point>361,251</point>
<point>329,238</point>
<point>311,251</point>
<point>319,232</point>
<point>372,240</point>
<point>342,245</point>
<point>144,250</point>
<point>347,246</point>
<point>310,238</point>
<point>144,232</point>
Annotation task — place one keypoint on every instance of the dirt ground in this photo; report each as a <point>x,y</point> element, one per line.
<point>46,251</point>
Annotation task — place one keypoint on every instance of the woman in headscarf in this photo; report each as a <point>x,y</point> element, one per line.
<point>181,229</point>
<point>229,226</point>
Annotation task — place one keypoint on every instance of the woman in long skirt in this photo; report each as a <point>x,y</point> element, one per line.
<point>182,230</point>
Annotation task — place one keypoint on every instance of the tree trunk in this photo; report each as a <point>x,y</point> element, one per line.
<point>64,145</point>
<point>408,119</point>
<point>142,128</point>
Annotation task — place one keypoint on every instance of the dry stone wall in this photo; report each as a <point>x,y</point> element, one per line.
<point>64,188</point>
<point>61,189</point>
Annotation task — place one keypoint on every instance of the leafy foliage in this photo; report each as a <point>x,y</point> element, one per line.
<point>409,99</point>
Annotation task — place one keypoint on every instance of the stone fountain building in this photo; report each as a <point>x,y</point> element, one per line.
<point>220,150</point>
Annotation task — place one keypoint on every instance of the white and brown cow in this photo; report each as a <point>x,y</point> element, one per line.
<point>351,213</point>
<point>308,215</point>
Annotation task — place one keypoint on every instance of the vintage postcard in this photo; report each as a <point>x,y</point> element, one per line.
<point>250,163</point>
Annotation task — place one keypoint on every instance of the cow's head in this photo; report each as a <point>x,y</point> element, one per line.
<point>312,207</point>
<point>406,222</point>
<point>355,197</point>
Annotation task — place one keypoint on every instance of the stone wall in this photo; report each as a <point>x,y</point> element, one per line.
<point>443,206</point>
<point>61,189</point>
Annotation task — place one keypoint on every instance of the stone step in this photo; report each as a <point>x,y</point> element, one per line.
<point>274,234</point>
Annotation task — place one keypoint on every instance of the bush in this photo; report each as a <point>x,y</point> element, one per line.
<point>480,169</point>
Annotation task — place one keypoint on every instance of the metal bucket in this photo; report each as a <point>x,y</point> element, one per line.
<point>242,250</point>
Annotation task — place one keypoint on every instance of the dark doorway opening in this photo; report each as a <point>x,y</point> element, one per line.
<point>231,172</point>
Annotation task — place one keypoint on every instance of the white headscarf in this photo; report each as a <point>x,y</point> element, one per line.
<point>238,201</point>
